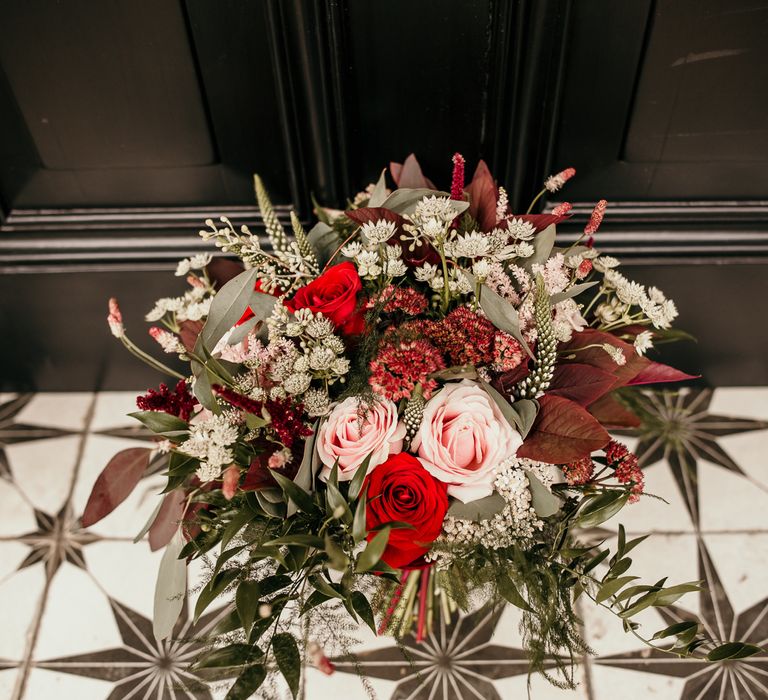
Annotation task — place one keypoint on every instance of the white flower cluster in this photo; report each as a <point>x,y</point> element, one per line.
<point>515,524</point>
<point>196,262</point>
<point>432,275</point>
<point>211,442</point>
<point>192,306</point>
<point>372,257</point>
<point>622,294</point>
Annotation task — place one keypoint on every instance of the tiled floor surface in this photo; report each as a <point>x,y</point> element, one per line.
<point>75,606</point>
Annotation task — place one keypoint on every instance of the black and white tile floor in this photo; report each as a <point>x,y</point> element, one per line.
<point>75,606</point>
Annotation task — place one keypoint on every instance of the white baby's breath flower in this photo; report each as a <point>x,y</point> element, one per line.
<point>196,262</point>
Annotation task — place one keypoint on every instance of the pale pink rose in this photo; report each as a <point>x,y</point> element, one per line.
<point>353,431</point>
<point>462,438</point>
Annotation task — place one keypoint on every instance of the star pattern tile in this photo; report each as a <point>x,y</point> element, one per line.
<point>473,656</point>
<point>678,427</point>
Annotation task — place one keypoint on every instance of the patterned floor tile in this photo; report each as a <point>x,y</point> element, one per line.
<point>94,637</point>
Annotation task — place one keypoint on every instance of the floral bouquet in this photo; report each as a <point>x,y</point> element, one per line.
<point>398,413</point>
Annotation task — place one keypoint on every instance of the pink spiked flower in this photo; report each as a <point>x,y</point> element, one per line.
<point>115,319</point>
<point>562,209</point>
<point>229,481</point>
<point>597,217</point>
<point>554,182</point>
<point>169,342</point>
<point>457,180</point>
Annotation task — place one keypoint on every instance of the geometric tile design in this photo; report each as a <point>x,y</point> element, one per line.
<point>76,605</point>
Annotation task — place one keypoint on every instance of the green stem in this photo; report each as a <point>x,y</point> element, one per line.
<point>148,359</point>
<point>536,199</point>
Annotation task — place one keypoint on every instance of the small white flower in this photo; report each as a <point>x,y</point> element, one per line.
<point>631,293</point>
<point>605,262</point>
<point>643,342</point>
<point>379,232</point>
<point>435,207</point>
<point>352,250</point>
<point>616,353</point>
<point>297,383</point>
<point>521,230</point>
<point>481,269</point>
<point>426,272</point>
<point>470,245</point>
<point>321,358</point>
<point>319,327</point>
<point>395,268</point>
<point>368,264</point>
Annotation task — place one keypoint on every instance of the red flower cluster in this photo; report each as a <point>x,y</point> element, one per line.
<point>284,414</point>
<point>406,299</point>
<point>579,472</point>
<point>402,364</point>
<point>467,338</point>
<point>178,402</point>
<point>627,468</point>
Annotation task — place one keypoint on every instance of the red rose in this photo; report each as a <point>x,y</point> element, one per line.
<point>334,294</point>
<point>401,490</point>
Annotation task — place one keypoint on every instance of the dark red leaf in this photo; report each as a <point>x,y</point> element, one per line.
<point>115,483</point>
<point>168,518</point>
<point>482,197</point>
<point>563,432</point>
<point>657,373</point>
<point>188,332</point>
<point>541,221</point>
<point>409,174</point>
<point>221,270</point>
<point>599,358</point>
<point>581,383</point>
<point>613,414</point>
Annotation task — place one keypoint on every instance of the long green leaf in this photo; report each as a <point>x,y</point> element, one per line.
<point>170,589</point>
<point>159,422</point>
<point>247,683</point>
<point>598,509</point>
<point>300,497</point>
<point>612,586</point>
<point>247,603</point>
<point>370,556</point>
<point>288,660</point>
<point>213,589</point>
<point>363,608</point>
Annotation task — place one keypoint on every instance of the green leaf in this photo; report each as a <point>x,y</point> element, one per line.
<point>315,598</point>
<point>733,650</point>
<point>598,509</point>
<point>305,476</point>
<point>213,589</point>
<point>613,585</point>
<point>325,241</point>
<point>159,422</point>
<point>667,596</point>
<point>511,594</point>
<point>641,604</point>
<point>225,657</point>
<point>597,559</point>
<point>379,194</point>
<point>272,584</point>
<point>238,522</point>
<point>544,502</point>
<point>329,590</point>
<point>499,312</point>
<point>202,390</point>
<point>337,503</point>
<point>679,628</point>
<point>247,603</point>
<point>363,608</point>
<point>228,306</point>
<point>481,509</point>
<point>570,293</point>
<point>171,588</point>
<point>359,530</point>
<point>300,497</point>
<point>632,591</point>
<point>247,683</point>
<point>520,414</point>
<point>370,556</point>
<point>337,559</point>
<point>620,567</point>
<point>356,483</point>
<point>288,660</point>
<point>543,242</point>
<point>300,539</point>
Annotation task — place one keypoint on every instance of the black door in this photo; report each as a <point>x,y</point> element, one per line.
<point>125,123</point>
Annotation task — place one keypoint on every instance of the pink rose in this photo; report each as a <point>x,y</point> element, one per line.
<point>462,438</point>
<point>353,431</point>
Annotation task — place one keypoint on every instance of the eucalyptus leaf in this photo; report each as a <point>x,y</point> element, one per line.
<point>499,312</point>
<point>170,589</point>
<point>481,509</point>
<point>570,293</point>
<point>544,502</point>
<point>379,194</point>
<point>324,240</point>
<point>228,306</point>
<point>520,414</point>
<point>543,242</point>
